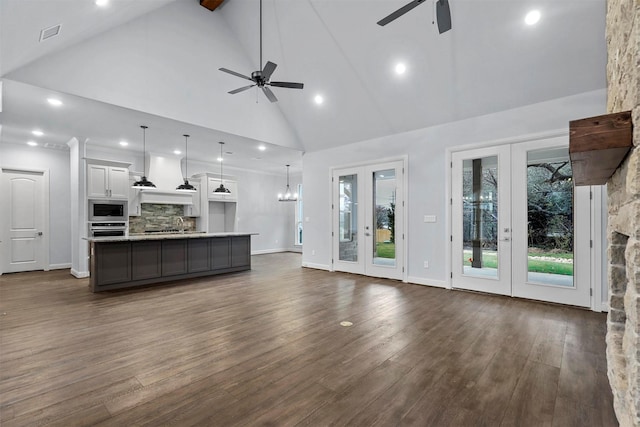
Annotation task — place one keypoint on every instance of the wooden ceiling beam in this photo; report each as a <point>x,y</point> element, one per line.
<point>211,4</point>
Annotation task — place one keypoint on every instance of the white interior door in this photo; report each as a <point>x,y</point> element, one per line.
<point>368,220</point>
<point>481,223</point>
<point>23,223</point>
<point>519,226</point>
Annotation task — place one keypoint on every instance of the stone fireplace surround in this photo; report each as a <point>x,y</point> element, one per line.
<point>623,253</point>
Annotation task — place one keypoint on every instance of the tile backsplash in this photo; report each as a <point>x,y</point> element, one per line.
<point>160,217</point>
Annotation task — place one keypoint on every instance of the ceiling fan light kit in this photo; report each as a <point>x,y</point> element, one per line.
<point>443,14</point>
<point>262,77</point>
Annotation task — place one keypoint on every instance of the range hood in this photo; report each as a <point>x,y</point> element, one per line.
<point>166,173</point>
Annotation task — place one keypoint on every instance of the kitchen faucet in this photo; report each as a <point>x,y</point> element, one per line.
<point>180,222</point>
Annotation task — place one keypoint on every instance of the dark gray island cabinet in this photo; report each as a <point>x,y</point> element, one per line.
<point>124,262</point>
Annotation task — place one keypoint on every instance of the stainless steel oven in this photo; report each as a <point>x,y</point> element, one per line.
<point>107,210</point>
<point>107,229</point>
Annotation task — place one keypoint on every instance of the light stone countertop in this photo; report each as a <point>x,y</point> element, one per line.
<point>164,236</point>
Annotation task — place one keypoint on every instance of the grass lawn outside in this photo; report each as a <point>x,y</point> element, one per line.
<point>386,250</point>
<point>538,263</point>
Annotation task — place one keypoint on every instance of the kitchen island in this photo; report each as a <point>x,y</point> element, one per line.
<point>137,260</point>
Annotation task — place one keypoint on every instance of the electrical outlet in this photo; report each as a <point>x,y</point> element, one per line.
<point>426,264</point>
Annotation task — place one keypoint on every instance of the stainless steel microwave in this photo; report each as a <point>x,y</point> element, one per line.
<point>107,210</point>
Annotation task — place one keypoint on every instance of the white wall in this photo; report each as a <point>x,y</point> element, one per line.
<point>427,175</point>
<point>57,163</point>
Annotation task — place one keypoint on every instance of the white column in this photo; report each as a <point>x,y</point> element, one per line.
<point>79,246</point>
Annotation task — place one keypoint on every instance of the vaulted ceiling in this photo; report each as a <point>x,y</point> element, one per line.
<point>162,57</point>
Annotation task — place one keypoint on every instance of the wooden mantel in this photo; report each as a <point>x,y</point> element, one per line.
<point>597,146</point>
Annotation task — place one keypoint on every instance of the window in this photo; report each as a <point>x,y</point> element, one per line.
<point>299,216</point>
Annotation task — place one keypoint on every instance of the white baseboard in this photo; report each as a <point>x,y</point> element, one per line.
<point>275,251</point>
<point>269,251</point>
<point>59,266</point>
<point>428,282</point>
<point>79,274</point>
<point>316,266</point>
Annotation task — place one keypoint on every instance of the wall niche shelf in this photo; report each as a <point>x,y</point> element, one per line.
<point>598,145</point>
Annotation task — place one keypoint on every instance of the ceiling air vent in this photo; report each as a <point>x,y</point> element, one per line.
<point>47,33</point>
<point>53,146</point>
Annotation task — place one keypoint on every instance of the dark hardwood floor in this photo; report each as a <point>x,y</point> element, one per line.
<point>266,348</point>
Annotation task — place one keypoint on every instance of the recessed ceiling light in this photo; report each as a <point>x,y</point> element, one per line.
<point>176,152</point>
<point>532,17</point>
<point>124,143</point>
<point>318,99</point>
<point>32,143</point>
<point>400,68</point>
<point>102,3</point>
<point>219,159</point>
<point>262,147</point>
<point>55,102</point>
<point>37,132</point>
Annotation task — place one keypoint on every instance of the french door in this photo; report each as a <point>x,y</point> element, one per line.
<point>519,226</point>
<point>368,220</point>
<point>481,220</point>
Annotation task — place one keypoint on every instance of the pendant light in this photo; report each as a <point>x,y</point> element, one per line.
<point>186,187</point>
<point>222,188</point>
<point>288,196</point>
<point>144,183</point>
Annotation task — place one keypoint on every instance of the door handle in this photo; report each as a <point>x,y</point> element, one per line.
<point>367,234</point>
<point>506,239</point>
<point>39,233</point>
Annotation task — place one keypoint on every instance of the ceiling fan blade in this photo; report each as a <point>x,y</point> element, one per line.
<point>398,13</point>
<point>268,69</point>
<point>235,74</point>
<point>443,15</point>
<point>241,89</point>
<point>269,94</point>
<point>287,84</point>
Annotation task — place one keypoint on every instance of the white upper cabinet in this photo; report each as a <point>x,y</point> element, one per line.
<point>119,183</point>
<point>107,181</point>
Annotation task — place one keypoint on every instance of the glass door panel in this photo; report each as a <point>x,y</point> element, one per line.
<point>480,217</point>
<point>549,217</point>
<point>384,206</point>
<point>348,217</point>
